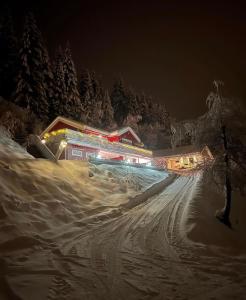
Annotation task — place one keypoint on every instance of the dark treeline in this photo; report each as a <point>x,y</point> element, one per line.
<point>48,88</point>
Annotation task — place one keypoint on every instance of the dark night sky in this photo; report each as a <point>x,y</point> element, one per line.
<point>169,49</point>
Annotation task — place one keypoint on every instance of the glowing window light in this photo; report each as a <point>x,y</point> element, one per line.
<point>63,144</point>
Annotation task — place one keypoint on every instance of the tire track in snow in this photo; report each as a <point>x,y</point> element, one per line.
<point>156,238</point>
<point>141,252</point>
<point>136,252</point>
<point>60,289</point>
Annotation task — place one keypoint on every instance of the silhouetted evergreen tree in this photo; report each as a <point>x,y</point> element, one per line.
<point>165,119</point>
<point>96,114</point>
<point>48,76</point>
<point>86,95</point>
<point>58,102</point>
<point>145,108</point>
<point>142,104</point>
<point>96,100</point>
<point>120,102</point>
<point>85,84</point>
<point>8,55</point>
<point>133,107</point>
<point>72,107</point>
<point>139,104</point>
<point>33,90</point>
<point>153,113</point>
<point>97,89</point>
<point>107,112</point>
<point>91,96</point>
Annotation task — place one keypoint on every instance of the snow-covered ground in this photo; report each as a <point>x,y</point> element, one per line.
<point>67,232</point>
<point>9,149</point>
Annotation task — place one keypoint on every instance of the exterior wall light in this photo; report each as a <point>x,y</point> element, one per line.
<point>63,144</point>
<point>43,141</point>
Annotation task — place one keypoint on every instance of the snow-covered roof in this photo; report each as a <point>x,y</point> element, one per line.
<point>124,130</point>
<point>82,126</point>
<point>189,149</point>
<point>72,123</point>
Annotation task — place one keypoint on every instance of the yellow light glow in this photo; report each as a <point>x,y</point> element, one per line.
<point>63,143</point>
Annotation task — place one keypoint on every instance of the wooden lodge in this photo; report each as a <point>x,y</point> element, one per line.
<point>184,157</point>
<point>71,140</point>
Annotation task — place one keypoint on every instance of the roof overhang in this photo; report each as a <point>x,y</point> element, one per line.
<point>72,123</point>
<point>183,151</point>
<point>81,126</point>
<point>178,155</point>
<point>124,130</point>
<point>63,120</point>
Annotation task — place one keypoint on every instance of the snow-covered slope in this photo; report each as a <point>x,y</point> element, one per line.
<point>205,229</point>
<point>66,232</point>
<point>10,149</point>
<point>43,204</point>
<point>41,198</point>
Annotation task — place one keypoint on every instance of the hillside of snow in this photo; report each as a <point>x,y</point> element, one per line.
<point>43,203</point>
<point>10,149</point>
<point>76,231</point>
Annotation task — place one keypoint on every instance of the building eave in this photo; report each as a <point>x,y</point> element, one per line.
<point>64,120</point>
<point>182,151</point>
<point>124,130</point>
<point>82,126</point>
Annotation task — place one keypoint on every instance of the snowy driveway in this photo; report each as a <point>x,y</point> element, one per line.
<point>138,254</point>
<point>137,249</point>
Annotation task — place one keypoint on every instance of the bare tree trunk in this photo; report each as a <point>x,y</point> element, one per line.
<point>224,214</point>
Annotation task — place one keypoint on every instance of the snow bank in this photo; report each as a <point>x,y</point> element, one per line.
<point>10,149</point>
<point>43,200</point>
<point>44,206</point>
<point>39,197</point>
<point>205,229</point>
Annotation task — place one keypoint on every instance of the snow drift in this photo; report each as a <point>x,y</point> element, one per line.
<point>44,204</point>
<point>10,149</point>
<point>205,229</point>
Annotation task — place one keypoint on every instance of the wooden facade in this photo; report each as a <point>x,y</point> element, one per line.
<point>84,142</point>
